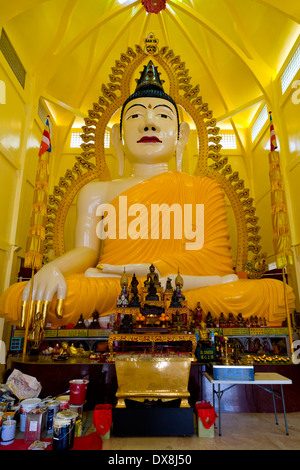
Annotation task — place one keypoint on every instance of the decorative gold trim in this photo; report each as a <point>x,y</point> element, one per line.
<point>151,338</point>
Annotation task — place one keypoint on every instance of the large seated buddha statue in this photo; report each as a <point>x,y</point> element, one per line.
<point>81,281</point>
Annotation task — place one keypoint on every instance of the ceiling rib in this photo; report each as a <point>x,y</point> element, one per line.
<point>48,67</point>
<point>240,109</point>
<point>260,73</point>
<point>280,10</point>
<point>64,22</point>
<point>187,35</point>
<point>164,29</point>
<point>143,30</point>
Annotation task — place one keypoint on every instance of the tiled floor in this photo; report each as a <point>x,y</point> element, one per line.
<point>240,431</point>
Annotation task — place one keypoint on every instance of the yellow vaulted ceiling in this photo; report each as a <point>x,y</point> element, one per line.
<point>232,48</point>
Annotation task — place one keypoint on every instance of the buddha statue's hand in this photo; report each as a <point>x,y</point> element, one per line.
<point>47,282</point>
<point>139,269</point>
<point>194,282</point>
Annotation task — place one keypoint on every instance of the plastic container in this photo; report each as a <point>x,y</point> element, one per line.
<point>70,417</point>
<point>78,409</point>
<point>78,388</point>
<point>26,406</point>
<point>61,434</point>
<point>8,432</point>
<point>52,409</point>
<point>63,401</point>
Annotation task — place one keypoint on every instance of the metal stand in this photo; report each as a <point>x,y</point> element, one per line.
<point>275,393</point>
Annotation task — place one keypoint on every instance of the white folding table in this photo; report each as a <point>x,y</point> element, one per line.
<point>260,379</point>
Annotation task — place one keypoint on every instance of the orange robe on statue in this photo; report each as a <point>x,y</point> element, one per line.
<point>262,297</point>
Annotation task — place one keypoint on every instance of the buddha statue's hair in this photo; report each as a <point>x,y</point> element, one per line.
<point>149,86</point>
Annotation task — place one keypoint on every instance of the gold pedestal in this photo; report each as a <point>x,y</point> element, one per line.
<point>155,378</point>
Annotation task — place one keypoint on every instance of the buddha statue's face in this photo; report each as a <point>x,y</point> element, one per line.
<point>150,130</point>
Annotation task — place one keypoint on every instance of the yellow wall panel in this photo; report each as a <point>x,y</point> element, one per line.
<point>294,178</point>
<point>8,181</point>
<point>263,212</point>
<point>3,264</point>
<point>11,121</point>
<point>291,125</point>
<point>32,150</point>
<point>260,157</point>
<point>261,188</point>
<point>24,216</point>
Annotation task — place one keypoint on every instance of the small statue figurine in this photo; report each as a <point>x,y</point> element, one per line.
<point>122,301</point>
<point>179,294</point>
<point>231,320</point>
<point>126,324</point>
<point>175,302</point>
<point>123,297</point>
<point>152,292</point>
<point>169,284</point>
<point>37,333</point>
<point>240,320</point>
<point>198,312</point>
<point>60,353</point>
<point>134,301</point>
<point>95,322</point>
<point>203,334</point>
<point>152,276</point>
<point>222,321</point>
<point>80,323</point>
<point>209,320</point>
<point>133,285</point>
<point>76,352</point>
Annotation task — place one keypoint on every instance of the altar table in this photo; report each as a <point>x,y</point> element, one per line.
<point>152,338</point>
<point>260,379</point>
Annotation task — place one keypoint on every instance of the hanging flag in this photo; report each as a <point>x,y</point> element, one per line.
<point>272,134</point>
<point>46,141</point>
<point>36,238</point>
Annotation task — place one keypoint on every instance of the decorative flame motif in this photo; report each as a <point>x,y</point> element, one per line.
<point>154,6</point>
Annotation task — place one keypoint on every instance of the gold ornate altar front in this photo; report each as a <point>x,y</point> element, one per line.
<point>152,338</point>
<point>155,378</point>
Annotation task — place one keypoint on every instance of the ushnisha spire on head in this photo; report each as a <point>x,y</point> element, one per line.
<point>149,85</point>
<point>149,77</point>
